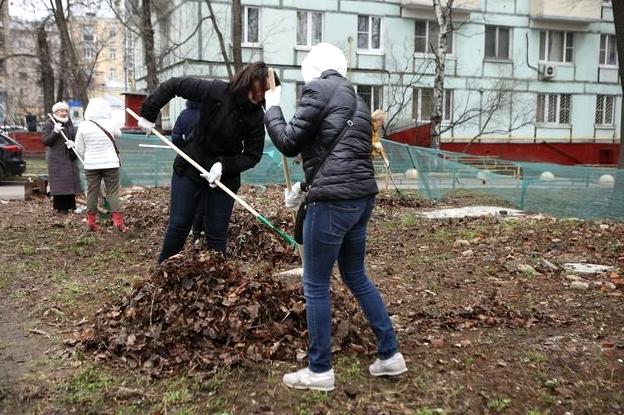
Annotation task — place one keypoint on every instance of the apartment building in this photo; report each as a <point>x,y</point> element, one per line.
<point>4,36</point>
<point>516,70</point>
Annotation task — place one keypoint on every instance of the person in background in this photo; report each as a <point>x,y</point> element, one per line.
<point>378,117</point>
<point>95,143</point>
<point>182,130</point>
<point>331,129</point>
<point>63,174</point>
<point>228,139</point>
<point>187,120</point>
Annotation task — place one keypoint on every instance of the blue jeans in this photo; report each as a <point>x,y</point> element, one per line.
<point>185,198</point>
<point>337,231</point>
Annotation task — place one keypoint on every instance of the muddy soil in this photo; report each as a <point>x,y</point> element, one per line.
<point>487,317</point>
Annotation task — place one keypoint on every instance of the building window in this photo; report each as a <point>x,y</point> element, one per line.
<point>426,37</point>
<point>608,50</point>
<point>309,28</point>
<point>87,34</point>
<point>112,75</point>
<point>112,53</point>
<point>556,46</point>
<point>422,104</point>
<point>605,110</point>
<point>89,53</point>
<point>371,94</point>
<point>553,108</point>
<point>497,42</point>
<point>23,76</point>
<point>251,25</point>
<point>369,32</point>
<point>112,33</point>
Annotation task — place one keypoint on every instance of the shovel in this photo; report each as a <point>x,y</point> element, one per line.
<point>233,195</point>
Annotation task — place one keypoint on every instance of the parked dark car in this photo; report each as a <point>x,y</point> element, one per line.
<point>11,161</point>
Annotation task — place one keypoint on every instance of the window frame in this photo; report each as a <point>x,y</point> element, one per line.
<point>112,53</point>
<point>566,35</point>
<point>427,52</point>
<point>604,99</point>
<point>496,43</point>
<point>546,110</point>
<point>376,94</point>
<point>112,74</point>
<point>245,27</point>
<point>369,39</point>
<point>309,29</point>
<point>447,104</point>
<point>607,37</point>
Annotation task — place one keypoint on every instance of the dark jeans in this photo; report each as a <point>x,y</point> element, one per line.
<point>64,203</point>
<point>336,231</point>
<point>185,198</point>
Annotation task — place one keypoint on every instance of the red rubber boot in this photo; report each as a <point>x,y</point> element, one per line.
<point>118,222</point>
<point>91,218</point>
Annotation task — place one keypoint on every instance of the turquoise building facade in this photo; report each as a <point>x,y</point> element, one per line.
<point>516,71</point>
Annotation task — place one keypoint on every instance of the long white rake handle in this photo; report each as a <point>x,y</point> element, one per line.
<point>197,166</point>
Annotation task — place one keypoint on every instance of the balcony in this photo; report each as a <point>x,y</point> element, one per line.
<point>460,6</point>
<point>580,11</point>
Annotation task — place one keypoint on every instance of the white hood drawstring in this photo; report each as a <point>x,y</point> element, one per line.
<point>323,57</point>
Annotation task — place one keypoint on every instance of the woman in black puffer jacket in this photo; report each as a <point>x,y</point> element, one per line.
<point>332,130</point>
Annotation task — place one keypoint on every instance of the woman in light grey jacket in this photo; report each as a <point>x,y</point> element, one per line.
<point>95,143</point>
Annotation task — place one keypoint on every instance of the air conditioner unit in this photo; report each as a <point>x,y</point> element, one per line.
<point>549,71</point>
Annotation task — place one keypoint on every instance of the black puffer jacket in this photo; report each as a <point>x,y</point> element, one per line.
<point>229,129</point>
<point>325,107</point>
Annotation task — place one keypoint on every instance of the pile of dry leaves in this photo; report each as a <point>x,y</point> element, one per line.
<point>202,311</point>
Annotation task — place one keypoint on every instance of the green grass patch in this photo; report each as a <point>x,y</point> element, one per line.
<point>88,389</point>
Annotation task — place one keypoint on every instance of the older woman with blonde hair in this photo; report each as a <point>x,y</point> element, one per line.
<point>378,117</point>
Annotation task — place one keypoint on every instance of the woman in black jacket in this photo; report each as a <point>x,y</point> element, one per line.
<point>228,139</point>
<point>331,129</point>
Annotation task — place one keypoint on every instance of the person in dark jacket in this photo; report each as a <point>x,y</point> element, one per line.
<point>63,174</point>
<point>228,139</point>
<point>331,129</point>
<point>185,123</point>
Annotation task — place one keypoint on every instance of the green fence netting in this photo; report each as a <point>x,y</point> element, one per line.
<point>562,191</point>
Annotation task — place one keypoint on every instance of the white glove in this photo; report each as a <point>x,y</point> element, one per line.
<point>378,146</point>
<point>214,174</point>
<point>386,162</point>
<point>272,98</point>
<point>58,127</point>
<point>294,197</point>
<point>146,124</point>
<point>70,144</point>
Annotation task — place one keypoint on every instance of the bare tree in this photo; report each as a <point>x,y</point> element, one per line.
<point>618,20</point>
<point>45,62</point>
<point>80,81</point>
<point>444,18</point>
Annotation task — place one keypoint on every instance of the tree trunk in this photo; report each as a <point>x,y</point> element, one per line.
<point>222,44</point>
<point>66,42</point>
<point>443,17</point>
<point>147,37</point>
<point>618,20</point>
<point>237,33</point>
<point>47,73</point>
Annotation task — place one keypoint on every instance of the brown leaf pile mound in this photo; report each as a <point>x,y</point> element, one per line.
<point>202,311</point>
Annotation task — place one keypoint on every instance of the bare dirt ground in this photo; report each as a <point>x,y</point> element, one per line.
<point>487,319</point>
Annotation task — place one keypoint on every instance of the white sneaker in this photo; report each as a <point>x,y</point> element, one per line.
<point>392,366</point>
<point>306,379</point>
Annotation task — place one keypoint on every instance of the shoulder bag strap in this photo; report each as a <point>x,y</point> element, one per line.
<point>110,137</point>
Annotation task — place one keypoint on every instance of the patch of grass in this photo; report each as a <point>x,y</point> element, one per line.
<point>409,219</point>
<point>215,382</point>
<point>17,295</point>
<point>349,367</point>
<point>59,276</point>
<point>427,411</point>
<point>537,412</point>
<point>86,241</point>
<point>467,234</point>
<point>29,250</point>
<point>69,293</point>
<point>88,388</point>
<point>498,404</point>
